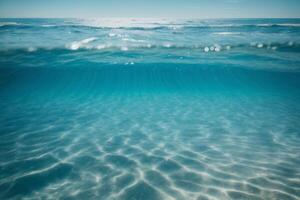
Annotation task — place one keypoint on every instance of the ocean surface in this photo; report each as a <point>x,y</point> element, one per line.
<point>150,109</point>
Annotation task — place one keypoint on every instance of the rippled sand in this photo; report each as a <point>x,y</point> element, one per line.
<point>169,146</point>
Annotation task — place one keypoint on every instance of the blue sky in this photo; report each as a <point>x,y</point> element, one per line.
<point>151,8</point>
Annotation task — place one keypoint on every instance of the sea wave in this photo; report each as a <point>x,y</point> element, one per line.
<point>49,25</point>
<point>142,45</point>
<point>78,44</point>
<point>148,26</point>
<point>227,33</point>
<point>176,27</point>
<point>91,44</point>
<point>4,24</point>
<point>279,25</point>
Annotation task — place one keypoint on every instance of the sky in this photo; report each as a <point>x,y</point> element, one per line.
<point>150,8</point>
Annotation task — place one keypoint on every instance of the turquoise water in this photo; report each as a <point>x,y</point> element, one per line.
<point>149,109</point>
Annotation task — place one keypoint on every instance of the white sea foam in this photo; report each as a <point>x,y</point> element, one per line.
<point>291,25</point>
<point>258,25</point>
<point>124,48</point>
<point>167,45</point>
<point>227,33</point>
<point>265,25</point>
<point>31,49</point>
<point>133,40</point>
<point>280,24</point>
<point>49,25</point>
<point>112,34</point>
<point>77,44</point>
<point>9,24</point>
<point>260,45</point>
<point>101,46</point>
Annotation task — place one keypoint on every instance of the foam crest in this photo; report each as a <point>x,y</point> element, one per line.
<point>227,33</point>
<point>78,44</point>
<point>3,24</point>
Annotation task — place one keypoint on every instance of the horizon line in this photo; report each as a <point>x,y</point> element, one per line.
<point>149,18</point>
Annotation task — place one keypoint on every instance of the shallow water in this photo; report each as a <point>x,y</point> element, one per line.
<point>86,114</point>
